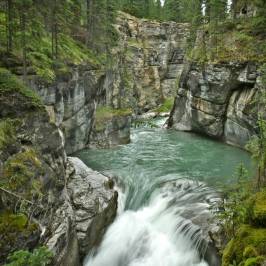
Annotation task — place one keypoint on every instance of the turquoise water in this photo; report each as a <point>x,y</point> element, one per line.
<point>158,155</point>
<point>167,183</point>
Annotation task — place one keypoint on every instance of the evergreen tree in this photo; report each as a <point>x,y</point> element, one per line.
<point>172,10</point>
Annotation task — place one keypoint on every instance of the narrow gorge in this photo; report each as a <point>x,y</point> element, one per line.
<point>137,152</point>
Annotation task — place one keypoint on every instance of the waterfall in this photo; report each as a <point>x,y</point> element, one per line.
<point>159,234</point>
<point>167,181</point>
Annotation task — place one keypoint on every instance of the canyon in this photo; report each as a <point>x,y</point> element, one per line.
<point>149,66</point>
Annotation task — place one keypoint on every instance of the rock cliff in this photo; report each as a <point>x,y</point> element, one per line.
<point>71,101</point>
<point>217,100</point>
<point>45,198</point>
<point>149,61</point>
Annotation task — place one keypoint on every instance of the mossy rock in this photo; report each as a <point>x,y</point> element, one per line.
<point>246,236</point>
<point>235,42</point>
<point>17,232</point>
<point>16,98</point>
<point>7,132</point>
<point>9,84</point>
<point>105,114</point>
<point>259,209</point>
<point>22,174</point>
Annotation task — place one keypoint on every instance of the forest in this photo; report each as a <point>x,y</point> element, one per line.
<point>62,30</point>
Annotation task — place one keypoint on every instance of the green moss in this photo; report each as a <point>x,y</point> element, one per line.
<point>74,52</point>
<point>256,261</point>
<point>21,173</point>
<point>166,106</point>
<point>39,257</point>
<point>246,236</point>
<point>135,43</point>
<point>259,209</point>
<point>41,60</point>
<point>9,84</point>
<point>250,252</point>
<point>15,231</point>
<point>7,133</point>
<point>70,52</point>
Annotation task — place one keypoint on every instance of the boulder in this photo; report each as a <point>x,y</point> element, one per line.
<point>94,204</point>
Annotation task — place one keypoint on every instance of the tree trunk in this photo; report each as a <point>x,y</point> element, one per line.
<point>54,31</point>
<point>89,42</point>
<point>9,25</point>
<point>23,29</point>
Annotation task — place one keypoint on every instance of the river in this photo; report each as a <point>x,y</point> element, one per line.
<point>167,182</point>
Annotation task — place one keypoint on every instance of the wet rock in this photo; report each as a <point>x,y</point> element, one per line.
<point>94,204</point>
<point>111,130</point>
<point>88,208</point>
<point>217,100</point>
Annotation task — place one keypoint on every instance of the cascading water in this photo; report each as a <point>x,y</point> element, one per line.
<point>166,181</point>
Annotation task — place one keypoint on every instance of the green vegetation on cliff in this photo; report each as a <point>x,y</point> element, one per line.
<point>249,245</point>
<point>21,174</point>
<point>39,257</point>
<point>166,106</point>
<point>105,114</point>
<point>10,85</point>
<point>7,133</point>
<point>38,38</point>
<point>16,232</point>
<point>258,217</point>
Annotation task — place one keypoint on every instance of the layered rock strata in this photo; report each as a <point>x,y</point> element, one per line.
<point>45,198</point>
<point>149,61</point>
<point>217,100</point>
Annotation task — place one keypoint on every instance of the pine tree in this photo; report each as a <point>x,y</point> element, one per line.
<point>172,10</point>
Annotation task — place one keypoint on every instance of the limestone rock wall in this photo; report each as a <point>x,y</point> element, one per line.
<point>217,100</point>
<point>147,63</point>
<point>68,206</point>
<point>112,132</point>
<point>89,207</point>
<point>70,102</point>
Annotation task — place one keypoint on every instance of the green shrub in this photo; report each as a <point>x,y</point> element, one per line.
<point>39,257</point>
<point>166,106</point>
<point>21,174</point>
<point>259,209</point>
<point>16,230</point>
<point>256,261</point>
<point>250,252</point>
<point>7,133</point>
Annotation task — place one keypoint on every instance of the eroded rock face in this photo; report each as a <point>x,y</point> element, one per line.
<point>69,205</point>
<point>89,207</point>
<point>70,102</point>
<point>217,100</point>
<point>94,203</point>
<point>114,131</point>
<point>149,61</point>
